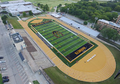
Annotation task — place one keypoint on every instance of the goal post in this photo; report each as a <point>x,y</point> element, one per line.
<point>34,29</point>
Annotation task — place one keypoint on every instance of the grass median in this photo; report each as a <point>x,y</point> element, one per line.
<point>14,22</point>
<point>1,79</point>
<point>36,82</point>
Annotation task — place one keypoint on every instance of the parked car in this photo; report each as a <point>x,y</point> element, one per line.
<point>3,68</point>
<point>1,57</point>
<point>2,61</point>
<point>5,80</point>
<point>5,77</point>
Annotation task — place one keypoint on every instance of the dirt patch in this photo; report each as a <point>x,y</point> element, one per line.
<point>30,47</point>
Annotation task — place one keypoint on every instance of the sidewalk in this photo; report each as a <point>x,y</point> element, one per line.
<point>18,18</point>
<point>34,76</point>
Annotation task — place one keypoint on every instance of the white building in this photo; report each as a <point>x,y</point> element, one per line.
<point>17,8</point>
<point>18,41</point>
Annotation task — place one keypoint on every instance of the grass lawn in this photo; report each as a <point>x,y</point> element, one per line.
<point>14,22</point>
<point>59,77</point>
<point>36,82</point>
<point>5,0</point>
<point>1,79</point>
<point>52,3</point>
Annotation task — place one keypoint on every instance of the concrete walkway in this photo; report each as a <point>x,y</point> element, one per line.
<point>34,76</point>
<point>18,18</point>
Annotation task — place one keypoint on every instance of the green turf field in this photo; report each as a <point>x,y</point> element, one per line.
<point>66,44</point>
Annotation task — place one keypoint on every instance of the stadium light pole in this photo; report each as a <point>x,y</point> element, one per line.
<point>67,10</point>
<point>95,21</point>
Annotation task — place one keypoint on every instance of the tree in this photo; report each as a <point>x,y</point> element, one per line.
<point>109,15</point>
<point>85,22</point>
<point>110,33</point>
<point>84,16</point>
<point>57,10</point>
<point>97,27</point>
<point>117,8</point>
<point>89,10</point>
<point>63,9</point>
<point>37,9</point>
<point>4,21</point>
<point>107,9</point>
<point>59,5</point>
<point>38,4</point>
<point>4,17</point>
<point>104,17</point>
<point>46,7</point>
<point>114,14</point>
<point>24,14</point>
<point>5,12</point>
<point>30,13</point>
<point>116,37</point>
<point>41,5</point>
<point>10,14</point>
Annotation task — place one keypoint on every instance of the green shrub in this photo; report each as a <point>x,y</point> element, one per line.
<point>36,82</point>
<point>85,22</point>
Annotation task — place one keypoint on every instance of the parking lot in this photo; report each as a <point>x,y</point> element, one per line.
<point>11,66</point>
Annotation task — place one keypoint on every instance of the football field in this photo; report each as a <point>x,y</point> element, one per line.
<point>66,44</point>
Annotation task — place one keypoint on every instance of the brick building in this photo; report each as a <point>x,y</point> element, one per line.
<point>109,24</point>
<point>118,20</point>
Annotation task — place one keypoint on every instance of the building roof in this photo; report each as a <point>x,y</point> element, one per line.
<point>110,23</point>
<point>55,15</point>
<point>16,1</point>
<point>15,4</point>
<point>82,27</point>
<point>22,8</point>
<point>17,37</point>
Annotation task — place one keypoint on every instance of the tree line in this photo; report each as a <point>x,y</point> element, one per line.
<point>89,10</point>
<point>44,7</point>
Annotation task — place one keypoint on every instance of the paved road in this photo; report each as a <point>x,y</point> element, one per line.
<point>15,71</point>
